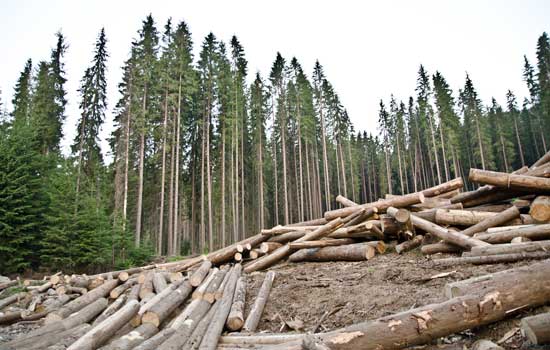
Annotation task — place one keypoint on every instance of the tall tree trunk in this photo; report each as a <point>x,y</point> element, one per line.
<point>309,189</point>
<point>518,139</point>
<point>301,179</point>
<point>342,167</point>
<point>209,177</point>
<point>285,188</point>
<point>504,155</point>
<point>351,172</point>
<point>175,246</point>
<point>399,164</point>
<point>436,154</point>
<point>222,228</point>
<point>243,195</point>
<point>325,158</point>
<point>79,169</point>
<point>141,167</point>
<point>163,175</point>
<point>261,181</point>
<point>169,238</point>
<point>478,130</point>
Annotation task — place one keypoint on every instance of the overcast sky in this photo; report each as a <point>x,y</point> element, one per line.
<point>368,49</point>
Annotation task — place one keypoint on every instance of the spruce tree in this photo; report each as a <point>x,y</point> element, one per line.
<point>22,95</point>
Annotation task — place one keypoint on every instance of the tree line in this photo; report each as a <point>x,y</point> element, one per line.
<point>205,155</point>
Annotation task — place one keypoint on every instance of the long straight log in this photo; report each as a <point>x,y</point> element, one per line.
<point>215,329</point>
<point>331,242</point>
<point>350,252</point>
<point>159,282</point>
<point>320,221</point>
<point>8,284</point>
<point>492,259</point>
<point>421,325</point>
<point>511,248</point>
<point>226,254</point>
<point>536,232</point>
<point>132,339</point>
<point>442,233</point>
<point>158,312</point>
<point>103,331</point>
<point>281,253</point>
<point>114,307</point>
<point>64,337</point>
<point>409,245</point>
<point>199,332</point>
<point>253,319</point>
<point>537,328</point>
<point>541,161</point>
<point>540,209</point>
<point>496,220</point>
<point>136,320</point>
<point>345,202</point>
<point>12,299</point>
<point>470,218</point>
<point>235,320</point>
<point>82,301</point>
<point>526,183</point>
<point>440,247</point>
<point>198,293</point>
<point>199,275</point>
<point>116,292</point>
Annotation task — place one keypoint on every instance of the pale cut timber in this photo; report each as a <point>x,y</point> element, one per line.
<point>484,344</point>
<point>258,339</point>
<point>540,209</point>
<point>219,293</point>
<point>226,254</point>
<point>147,290</point>
<point>330,242</point>
<point>114,307</point>
<point>199,292</point>
<point>350,252</point>
<point>380,246</point>
<point>136,320</point>
<point>536,232</point>
<point>235,320</point>
<point>200,274</point>
<point>103,331</point>
<point>422,325</point>
<point>537,328</point>
<point>132,339</point>
<point>210,293</point>
<point>526,183</point>
<point>215,328</point>
<point>492,259</point>
<point>508,228</point>
<point>159,282</point>
<point>82,301</point>
<point>281,253</point>
<point>12,299</point>
<point>541,161</point>
<point>116,292</point>
<point>496,220</point>
<point>253,319</point>
<point>440,247</point>
<point>158,312</point>
<point>409,245</point>
<point>197,336</point>
<point>510,248</point>
<point>320,221</point>
<point>520,240</point>
<point>442,233</point>
<point>469,218</point>
<point>268,247</point>
<point>345,201</point>
<point>60,339</point>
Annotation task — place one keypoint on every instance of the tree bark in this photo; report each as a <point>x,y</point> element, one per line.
<point>537,328</point>
<point>496,220</point>
<point>198,276</point>
<point>492,259</point>
<point>510,248</point>
<point>409,245</point>
<point>330,242</point>
<point>163,308</point>
<point>535,232</point>
<point>527,183</point>
<point>350,252</point>
<point>235,320</point>
<point>253,319</point>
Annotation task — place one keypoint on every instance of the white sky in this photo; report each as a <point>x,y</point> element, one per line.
<point>368,49</point>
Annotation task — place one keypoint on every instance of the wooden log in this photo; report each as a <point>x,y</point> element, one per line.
<point>199,292</point>
<point>103,331</point>
<point>345,202</point>
<point>268,247</point>
<point>157,313</point>
<point>409,245</point>
<point>540,171</point>
<point>253,319</point>
<point>67,289</point>
<point>287,237</point>
<point>199,275</point>
<point>510,248</point>
<point>520,240</point>
<point>442,233</point>
<point>235,320</point>
<point>330,242</point>
<point>259,339</point>
<point>114,307</point>
<point>122,275</point>
<point>536,232</point>
<point>219,293</point>
<point>132,339</point>
<point>159,282</point>
<point>215,329</point>
<point>56,340</point>
<point>377,231</point>
<point>540,209</point>
<point>210,293</point>
<point>463,217</point>
<point>381,205</point>
<point>9,284</point>
<point>198,334</point>
<point>484,344</point>
<point>256,253</point>
<point>226,254</point>
<point>423,324</point>
<point>541,161</point>
<point>492,259</point>
<point>82,301</point>
<point>320,222</point>
<point>12,299</point>
<point>136,320</point>
<point>440,247</point>
<point>496,220</point>
<point>284,251</point>
<point>350,252</point>
<point>537,328</point>
<point>147,290</point>
<point>117,291</point>
<point>406,227</point>
<point>526,183</point>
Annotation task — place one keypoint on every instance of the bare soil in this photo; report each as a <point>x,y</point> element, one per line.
<point>331,295</point>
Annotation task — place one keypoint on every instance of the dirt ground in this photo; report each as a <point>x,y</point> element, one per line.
<point>352,292</point>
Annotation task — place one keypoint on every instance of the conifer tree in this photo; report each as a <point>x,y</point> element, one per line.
<point>22,95</point>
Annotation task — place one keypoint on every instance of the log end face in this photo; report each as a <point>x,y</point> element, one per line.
<point>151,318</point>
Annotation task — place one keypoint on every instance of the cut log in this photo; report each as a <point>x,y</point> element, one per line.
<point>421,325</point>
<point>520,240</point>
<point>210,293</point>
<point>536,232</point>
<point>281,253</point>
<point>215,329</point>
<point>467,217</point>
<point>157,313</point>
<point>492,259</point>
<point>440,247</point>
<point>147,291</point>
<point>12,299</point>
<point>132,339</point>
<point>134,292</point>
<point>198,276</point>
<point>496,220</point>
<point>350,252</point>
<point>409,245</point>
<point>268,247</point>
<point>67,289</point>
<point>116,292</point>
<point>136,320</point>
<point>257,309</point>
<point>199,292</point>
<point>219,293</point>
<point>526,183</point>
<point>320,222</point>
<point>256,253</point>
<point>197,336</point>
<point>442,233</point>
<point>345,202</point>
<point>103,331</point>
<point>485,345</point>
<point>510,248</point>
<point>372,227</point>
<point>537,328</point>
<point>82,301</point>
<point>258,339</point>
<point>330,242</point>
<point>8,284</point>
<point>159,282</point>
<point>540,209</point>
<point>114,307</point>
<point>62,338</point>
<point>235,320</point>
<point>226,254</point>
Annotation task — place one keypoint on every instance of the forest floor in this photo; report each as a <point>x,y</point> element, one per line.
<point>331,295</point>
<point>353,292</point>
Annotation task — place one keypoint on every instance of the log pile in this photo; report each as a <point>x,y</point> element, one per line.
<point>190,303</point>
